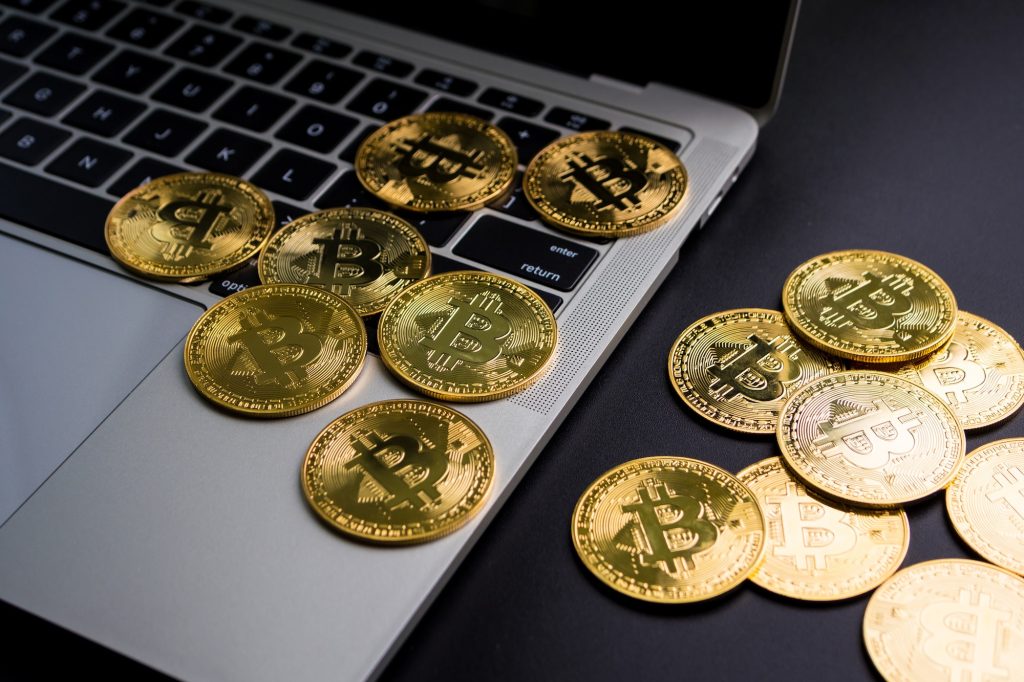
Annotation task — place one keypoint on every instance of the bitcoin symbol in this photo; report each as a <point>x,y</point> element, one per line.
<point>185,225</point>
<point>346,260</point>
<point>401,466</point>
<point>672,527</point>
<point>867,438</point>
<point>757,371</point>
<point>272,343</point>
<point>607,179</point>
<point>810,529</point>
<point>953,373</point>
<point>964,636</point>
<point>444,164</point>
<point>472,333</point>
<point>888,300</point>
<point>1011,487</point>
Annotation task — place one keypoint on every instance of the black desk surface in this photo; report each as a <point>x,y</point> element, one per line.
<point>901,128</point>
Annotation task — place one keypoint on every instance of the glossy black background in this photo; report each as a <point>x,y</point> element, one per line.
<point>901,128</point>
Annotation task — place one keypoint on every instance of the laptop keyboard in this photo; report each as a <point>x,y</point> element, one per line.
<point>289,110</point>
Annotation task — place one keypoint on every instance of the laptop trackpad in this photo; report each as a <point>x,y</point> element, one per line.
<point>76,341</point>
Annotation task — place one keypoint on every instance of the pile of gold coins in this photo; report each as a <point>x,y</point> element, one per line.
<point>867,379</point>
<point>397,471</point>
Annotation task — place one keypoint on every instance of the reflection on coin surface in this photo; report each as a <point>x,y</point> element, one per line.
<point>276,350</point>
<point>189,226</point>
<point>736,368</point>
<point>668,529</point>
<point>606,184</point>
<point>980,373</point>
<point>364,255</point>
<point>950,619</point>
<point>818,549</point>
<point>986,502</point>
<point>467,336</point>
<point>870,438</point>
<point>437,161</point>
<point>398,471</point>
<point>869,306</point>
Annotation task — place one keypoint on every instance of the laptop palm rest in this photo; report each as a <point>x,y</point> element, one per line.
<point>75,343</point>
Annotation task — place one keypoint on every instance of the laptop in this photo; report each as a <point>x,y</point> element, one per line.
<point>135,514</point>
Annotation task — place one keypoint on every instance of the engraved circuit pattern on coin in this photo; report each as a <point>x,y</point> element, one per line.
<point>364,255</point>
<point>950,619</point>
<point>668,530</point>
<point>398,471</point>
<point>467,336</point>
<point>606,184</point>
<point>980,372</point>
<point>189,226</point>
<point>869,306</point>
<point>437,161</point>
<point>276,350</point>
<point>986,502</point>
<point>736,368</point>
<point>870,438</point>
<point>818,549</point>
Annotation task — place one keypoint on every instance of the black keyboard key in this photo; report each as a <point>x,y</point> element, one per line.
<point>386,100</point>
<point>29,142</point>
<point>237,280</point>
<point>323,81</point>
<point>253,108</point>
<point>292,174</point>
<point>352,148</point>
<point>44,93</point>
<point>104,113</point>
<point>54,207</point>
<point>527,137</point>
<point>514,203</point>
<point>446,82</point>
<point>4,115</point>
<point>347,191</point>
<point>141,172</point>
<point>30,6</point>
<point>200,10</point>
<point>526,253</point>
<point>164,132</point>
<point>436,228</point>
<point>88,15</point>
<point>73,53</point>
<point>321,45</point>
<point>20,37</point>
<point>145,28</point>
<point>203,46</point>
<point>132,71</point>
<point>10,72</point>
<point>192,90</point>
<point>286,213</point>
<point>88,162</point>
<point>383,63</point>
<point>517,104</point>
<point>445,104</point>
<point>575,120</point>
<point>226,151</point>
<point>317,129</point>
<point>668,142</point>
<point>262,62</point>
<point>262,28</point>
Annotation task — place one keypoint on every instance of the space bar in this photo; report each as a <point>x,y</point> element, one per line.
<point>53,208</point>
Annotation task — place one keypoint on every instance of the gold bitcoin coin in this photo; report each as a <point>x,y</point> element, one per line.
<point>361,254</point>
<point>606,184</point>
<point>398,471</point>
<point>869,306</point>
<point>736,368</point>
<point>820,550</point>
<point>950,619</point>
<point>437,161</point>
<point>870,438</point>
<point>467,336</point>
<point>276,350</point>
<point>668,530</point>
<point>980,373</point>
<point>986,502</point>
<point>189,226</point>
